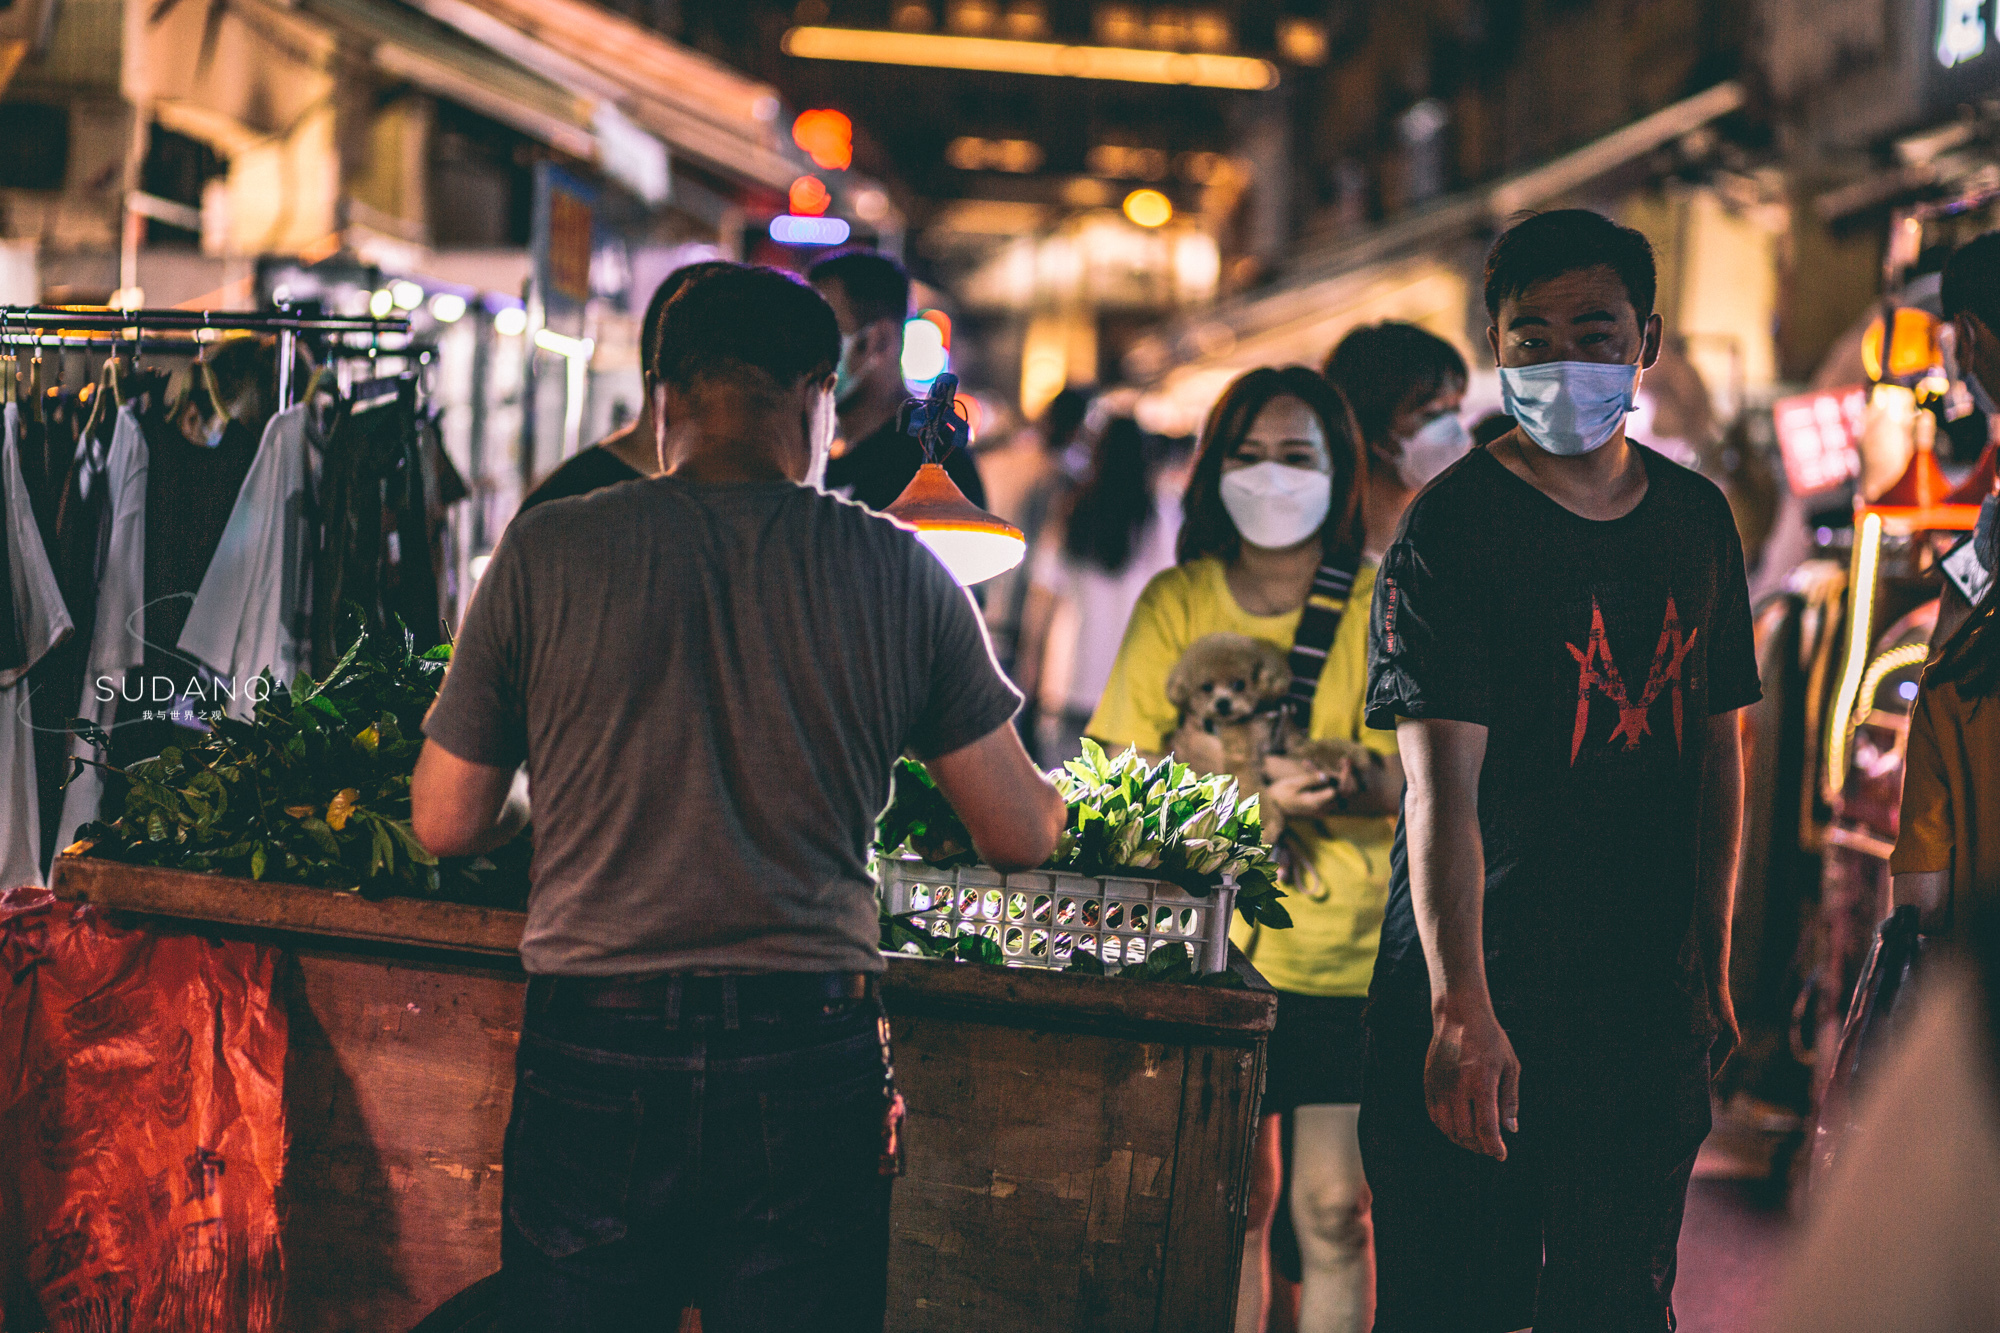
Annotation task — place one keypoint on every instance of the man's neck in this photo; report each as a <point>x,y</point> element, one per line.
<point>635,445</point>
<point>1606,483</point>
<point>867,411</point>
<point>733,446</point>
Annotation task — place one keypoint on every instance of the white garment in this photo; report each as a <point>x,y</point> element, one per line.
<point>118,641</point>
<point>44,622</point>
<point>247,615</point>
<point>1088,631</point>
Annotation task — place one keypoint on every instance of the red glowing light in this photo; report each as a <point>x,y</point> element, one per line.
<point>827,137</point>
<point>809,197</point>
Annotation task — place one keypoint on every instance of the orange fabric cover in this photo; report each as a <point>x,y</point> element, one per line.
<point>142,1105</point>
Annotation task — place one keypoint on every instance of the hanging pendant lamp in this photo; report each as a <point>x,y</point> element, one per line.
<point>973,544</point>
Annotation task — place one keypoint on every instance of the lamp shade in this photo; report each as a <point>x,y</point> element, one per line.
<point>971,543</point>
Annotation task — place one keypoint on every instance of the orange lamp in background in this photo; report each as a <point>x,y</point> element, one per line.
<point>809,197</point>
<point>971,543</point>
<point>827,137</point>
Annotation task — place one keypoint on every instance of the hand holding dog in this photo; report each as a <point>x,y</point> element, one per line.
<point>1302,790</point>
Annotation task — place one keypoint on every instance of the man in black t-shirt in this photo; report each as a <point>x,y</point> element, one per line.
<point>870,296</point>
<point>1561,639</point>
<point>633,450</point>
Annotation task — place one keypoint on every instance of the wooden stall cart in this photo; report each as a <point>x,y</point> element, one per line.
<point>1079,1147</point>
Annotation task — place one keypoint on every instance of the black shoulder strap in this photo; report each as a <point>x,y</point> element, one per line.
<point>1318,624</point>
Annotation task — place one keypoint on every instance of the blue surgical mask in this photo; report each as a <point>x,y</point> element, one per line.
<point>843,372</point>
<point>1569,408</point>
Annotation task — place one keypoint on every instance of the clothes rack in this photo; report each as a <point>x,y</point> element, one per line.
<point>50,326</point>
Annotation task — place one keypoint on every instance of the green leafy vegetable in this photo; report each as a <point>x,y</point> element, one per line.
<point>1160,821</point>
<point>314,789</point>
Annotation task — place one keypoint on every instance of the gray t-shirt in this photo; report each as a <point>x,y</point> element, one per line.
<point>710,686</point>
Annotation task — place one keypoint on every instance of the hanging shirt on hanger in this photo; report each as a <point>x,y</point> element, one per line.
<point>118,641</point>
<point>250,612</point>
<point>40,622</point>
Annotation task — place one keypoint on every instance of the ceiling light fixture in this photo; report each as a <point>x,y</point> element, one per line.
<point>1053,59</point>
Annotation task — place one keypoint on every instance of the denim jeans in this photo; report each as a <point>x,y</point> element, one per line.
<point>654,1163</point>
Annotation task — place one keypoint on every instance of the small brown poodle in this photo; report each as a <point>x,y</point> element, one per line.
<point>1230,689</point>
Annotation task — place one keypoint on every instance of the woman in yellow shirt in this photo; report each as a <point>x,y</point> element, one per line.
<point>1276,494</point>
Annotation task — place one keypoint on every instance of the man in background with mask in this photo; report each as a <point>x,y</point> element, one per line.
<point>1561,639</point>
<point>1405,385</point>
<point>873,461</point>
<point>710,675</point>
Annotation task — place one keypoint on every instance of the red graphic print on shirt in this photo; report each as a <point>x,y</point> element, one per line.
<point>1598,672</point>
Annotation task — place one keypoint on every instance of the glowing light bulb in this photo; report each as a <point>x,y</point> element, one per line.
<point>448,307</point>
<point>924,357</point>
<point>511,322</point>
<point>1149,208</point>
<point>406,294</point>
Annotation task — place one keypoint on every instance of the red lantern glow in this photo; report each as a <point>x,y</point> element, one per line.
<point>809,197</point>
<point>827,137</point>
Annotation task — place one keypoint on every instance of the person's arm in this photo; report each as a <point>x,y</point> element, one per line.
<point>1013,813</point>
<point>1471,1077</point>
<point>459,808</point>
<point>1715,890</point>
<point>1366,782</point>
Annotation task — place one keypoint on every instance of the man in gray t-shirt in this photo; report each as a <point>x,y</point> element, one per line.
<point>709,676</point>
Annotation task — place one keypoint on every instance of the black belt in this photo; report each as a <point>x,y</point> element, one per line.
<point>681,994</point>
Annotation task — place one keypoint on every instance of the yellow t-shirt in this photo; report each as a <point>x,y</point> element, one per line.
<point>1336,907</point>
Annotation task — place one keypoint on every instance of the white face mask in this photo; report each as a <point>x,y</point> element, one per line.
<point>1442,442</point>
<point>821,423</point>
<point>1276,506</point>
<point>1569,408</point>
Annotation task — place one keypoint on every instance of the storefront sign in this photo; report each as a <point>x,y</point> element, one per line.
<point>1819,436</point>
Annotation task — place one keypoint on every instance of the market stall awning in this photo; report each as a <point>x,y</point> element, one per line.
<point>1384,272</point>
<point>702,109</point>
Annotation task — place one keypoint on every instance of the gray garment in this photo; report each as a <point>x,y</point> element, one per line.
<point>710,686</point>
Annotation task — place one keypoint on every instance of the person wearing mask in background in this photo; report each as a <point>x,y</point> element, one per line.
<point>1947,857</point>
<point>874,462</point>
<point>632,451</point>
<point>1562,642</point>
<point>1969,291</point>
<point>711,675</point>
<point>1026,484</point>
<point>1093,561</point>
<point>1405,385</point>
<point>1273,506</point>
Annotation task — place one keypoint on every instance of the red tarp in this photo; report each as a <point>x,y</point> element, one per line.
<point>142,1108</point>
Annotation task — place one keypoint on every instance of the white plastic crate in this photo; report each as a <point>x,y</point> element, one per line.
<point>1041,918</point>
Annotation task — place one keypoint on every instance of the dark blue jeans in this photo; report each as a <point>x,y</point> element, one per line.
<point>656,1163</point>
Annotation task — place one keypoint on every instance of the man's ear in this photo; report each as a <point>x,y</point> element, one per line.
<point>1493,341</point>
<point>1653,335</point>
<point>885,339</point>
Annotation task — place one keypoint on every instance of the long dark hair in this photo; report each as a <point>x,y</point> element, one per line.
<point>1208,529</point>
<point>1111,510</point>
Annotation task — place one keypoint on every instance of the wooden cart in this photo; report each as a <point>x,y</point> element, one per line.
<point>1079,1147</point>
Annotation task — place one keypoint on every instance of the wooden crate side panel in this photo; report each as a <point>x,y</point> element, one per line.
<point>1205,1238</point>
<point>399,1083</point>
<point>1039,1177</point>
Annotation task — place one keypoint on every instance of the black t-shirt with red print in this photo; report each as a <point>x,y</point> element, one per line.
<point>1594,653</point>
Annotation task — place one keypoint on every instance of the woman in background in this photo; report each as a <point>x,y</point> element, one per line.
<point>1113,535</point>
<point>1405,386</point>
<point>1276,496</point>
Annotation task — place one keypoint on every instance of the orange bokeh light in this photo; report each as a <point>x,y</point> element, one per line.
<point>943,322</point>
<point>809,197</point>
<point>827,137</point>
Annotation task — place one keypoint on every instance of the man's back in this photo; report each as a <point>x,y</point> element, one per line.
<point>710,686</point>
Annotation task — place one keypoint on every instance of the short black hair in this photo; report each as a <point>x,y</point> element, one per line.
<point>756,319</point>
<point>670,287</point>
<point>1971,282</point>
<point>1381,366</point>
<point>876,286</point>
<point>1547,245</point>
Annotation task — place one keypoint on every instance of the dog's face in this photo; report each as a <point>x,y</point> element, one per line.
<point>1225,678</point>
